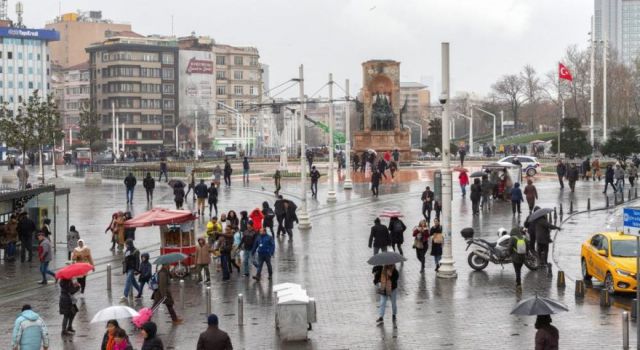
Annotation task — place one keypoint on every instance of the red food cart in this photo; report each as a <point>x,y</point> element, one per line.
<point>176,232</point>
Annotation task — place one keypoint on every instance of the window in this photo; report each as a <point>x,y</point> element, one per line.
<point>168,120</point>
<point>252,90</point>
<point>238,104</point>
<point>19,55</point>
<point>237,75</point>
<point>604,245</point>
<point>167,73</point>
<point>30,55</point>
<point>38,57</point>
<point>222,120</point>
<point>167,58</point>
<point>254,61</point>
<point>30,70</point>
<point>168,104</point>
<point>20,85</point>
<point>0,69</point>
<point>220,60</point>
<point>9,55</point>
<point>20,70</point>
<point>221,90</point>
<point>238,90</point>
<point>30,85</point>
<point>168,89</point>
<point>237,60</point>
<point>221,75</point>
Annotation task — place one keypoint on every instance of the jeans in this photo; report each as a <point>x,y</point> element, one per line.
<point>225,261</point>
<point>437,259</point>
<point>130,195</point>
<point>149,194</point>
<point>166,176</point>
<point>515,205</point>
<point>485,200</point>
<point>619,186</point>
<point>314,188</point>
<point>246,258</point>
<point>463,188</point>
<point>44,270</point>
<point>377,249</point>
<point>130,281</point>
<point>518,268</point>
<point>261,260</point>
<point>11,250</point>
<point>245,175</point>
<point>227,179</point>
<point>383,303</point>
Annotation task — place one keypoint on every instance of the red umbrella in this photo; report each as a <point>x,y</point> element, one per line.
<point>388,213</point>
<point>74,270</point>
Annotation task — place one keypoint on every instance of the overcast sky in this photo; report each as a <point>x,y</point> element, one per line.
<point>488,37</point>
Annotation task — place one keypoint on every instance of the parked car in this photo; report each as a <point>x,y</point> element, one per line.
<point>231,152</point>
<point>530,165</point>
<point>610,257</point>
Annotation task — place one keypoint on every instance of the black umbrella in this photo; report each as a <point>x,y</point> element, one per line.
<point>386,258</point>
<point>173,183</point>
<point>478,174</point>
<point>538,306</point>
<point>539,213</point>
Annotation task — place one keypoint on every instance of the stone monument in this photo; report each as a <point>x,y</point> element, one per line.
<point>381,125</point>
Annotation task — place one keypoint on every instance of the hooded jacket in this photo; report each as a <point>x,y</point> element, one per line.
<point>151,342</point>
<point>257,217</point>
<point>516,193</point>
<point>82,254</point>
<point>29,331</point>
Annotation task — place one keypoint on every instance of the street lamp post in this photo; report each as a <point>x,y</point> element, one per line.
<point>470,119</point>
<point>303,218</point>
<point>347,145</point>
<point>420,128</point>
<point>177,138</point>
<point>196,147</point>
<point>591,82</point>
<point>494,122</point>
<point>501,123</point>
<point>446,269</point>
<point>331,195</point>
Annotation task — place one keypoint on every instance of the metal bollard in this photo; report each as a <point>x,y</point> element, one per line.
<point>130,296</point>
<point>571,207</point>
<point>625,330</point>
<point>182,294</point>
<point>561,213</point>
<point>588,204</point>
<point>240,309</point>
<point>579,289</point>
<point>636,192</point>
<point>208,296</point>
<point>634,305</point>
<point>561,283</point>
<point>555,214</point>
<point>607,201</point>
<point>605,298</point>
<point>109,277</point>
<point>629,194</point>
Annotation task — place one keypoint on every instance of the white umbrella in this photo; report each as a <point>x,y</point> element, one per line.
<point>114,313</point>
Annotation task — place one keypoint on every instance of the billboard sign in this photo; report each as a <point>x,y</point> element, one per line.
<point>24,33</point>
<point>196,66</point>
<point>197,91</point>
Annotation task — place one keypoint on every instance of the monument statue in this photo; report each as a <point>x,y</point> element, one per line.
<point>381,113</point>
<point>360,113</point>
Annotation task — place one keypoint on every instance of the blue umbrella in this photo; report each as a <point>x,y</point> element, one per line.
<point>169,258</point>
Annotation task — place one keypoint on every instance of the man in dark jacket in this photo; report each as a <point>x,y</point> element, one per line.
<point>543,239</point>
<point>163,294</point>
<point>214,338</point>
<point>26,228</point>
<point>476,195</point>
<point>561,170</point>
<point>427,203</point>
<point>315,175</point>
<point>264,246</point>
<point>227,172</point>
<point>608,179</point>
<point>202,192</point>
<point>379,238</point>
<point>375,182</point>
<point>278,208</point>
<point>518,253</point>
<point>131,265</point>
<point>151,340</point>
<point>572,175</point>
<point>130,184</point>
<point>290,217</point>
<point>212,192</point>
<point>245,170</point>
<point>163,170</point>
<point>149,184</point>
<point>547,335</point>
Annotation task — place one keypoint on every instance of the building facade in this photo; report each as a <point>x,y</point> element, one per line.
<point>138,77</point>
<point>77,32</point>
<point>24,64</point>
<point>417,97</point>
<point>71,87</point>
<point>620,21</point>
<point>239,88</point>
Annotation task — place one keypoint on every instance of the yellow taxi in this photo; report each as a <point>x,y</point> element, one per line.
<point>610,257</point>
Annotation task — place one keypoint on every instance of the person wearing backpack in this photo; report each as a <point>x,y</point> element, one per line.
<point>518,254</point>
<point>396,229</point>
<point>269,214</point>
<point>264,246</point>
<point>145,273</point>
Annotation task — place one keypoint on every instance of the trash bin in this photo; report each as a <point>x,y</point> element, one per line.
<point>292,315</point>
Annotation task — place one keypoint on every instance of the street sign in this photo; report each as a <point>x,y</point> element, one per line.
<point>631,217</point>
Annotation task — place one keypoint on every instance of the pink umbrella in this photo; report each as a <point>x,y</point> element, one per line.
<point>74,270</point>
<point>389,213</point>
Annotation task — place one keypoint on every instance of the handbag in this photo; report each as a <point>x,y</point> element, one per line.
<point>438,238</point>
<point>380,290</point>
<point>417,243</point>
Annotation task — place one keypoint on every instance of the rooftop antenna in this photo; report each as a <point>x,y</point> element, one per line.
<point>19,12</point>
<point>3,9</point>
<point>172,32</point>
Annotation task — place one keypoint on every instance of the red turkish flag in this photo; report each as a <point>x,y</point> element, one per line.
<point>563,72</point>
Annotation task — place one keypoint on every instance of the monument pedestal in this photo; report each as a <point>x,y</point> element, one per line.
<point>382,141</point>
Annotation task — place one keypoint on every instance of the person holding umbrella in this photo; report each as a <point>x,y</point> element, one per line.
<point>547,336</point>
<point>386,278</point>
<point>82,254</point>
<point>163,294</point>
<point>68,307</point>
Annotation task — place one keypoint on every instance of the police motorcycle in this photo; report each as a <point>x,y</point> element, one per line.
<point>498,252</point>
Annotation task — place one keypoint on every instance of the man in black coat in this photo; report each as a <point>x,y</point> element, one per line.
<point>375,182</point>
<point>149,184</point>
<point>561,170</point>
<point>290,217</point>
<point>227,173</point>
<point>543,239</point>
<point>202,192</point>
<point>26,228</point>
<point>278,208</point>
<point>130,184</point>
<point>213,337</point>
<point>427,203</point>
<point>379,238</point>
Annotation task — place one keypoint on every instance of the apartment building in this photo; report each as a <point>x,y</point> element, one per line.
<point>71,87</point>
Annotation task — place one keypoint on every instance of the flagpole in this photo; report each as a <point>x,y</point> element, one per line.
<point>604,80</point>
<point>560,122</point>
<point>591,84</point>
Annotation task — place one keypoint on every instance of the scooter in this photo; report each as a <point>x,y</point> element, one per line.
<point>498,252</point>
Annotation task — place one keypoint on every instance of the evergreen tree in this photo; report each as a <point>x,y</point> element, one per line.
<point>621,143</point>
<point>573,141</point>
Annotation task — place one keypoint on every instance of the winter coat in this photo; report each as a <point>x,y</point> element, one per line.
<point>214,339</point>
<point>213,194</point>
<point>379,236</point>
<point>425,237</point>
<point>44,250</point>
<point>247,240</point>
<point>145,270</point>
<point>263,245</point>
<point>11,230</point>
<point>608,174</point>
<point>201,190</point>
<point>573,174</point>
<point>82,255</point>
<point>72,240</point>
<point>149,183</point>
<point>315,175</point>
<point>130,181</point>
<point>178,194</point>
<point>278,207</point>
<point>395,275</point>
<point>618,173</point>
<point>290,215</point>
<point>257,217</point>
<point>67,301</point>
<point>436,248</point>
<point>476,192</point>
<point>427,197</point>
<point>268,215</point>
<point>561,169</point>
<point>227,169</point>
<point>26,228</point>
<point>152,342</point>
<point>163,289</point>
<point>245,164</point>
<point>29,331</point>
<point>202,254</point>
<point>131,259</point>
<point>531,193</point>
<point>396,229</point>
<point>463,178</point>
<point>547,338</point>
<point>516,193</point>
<point>543,230</point>
<point>375,179</point>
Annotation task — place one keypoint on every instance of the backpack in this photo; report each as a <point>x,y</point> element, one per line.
<point>397,226</point>
<point>521,246</point>
<point>154,283</point>
<point>269,214</point>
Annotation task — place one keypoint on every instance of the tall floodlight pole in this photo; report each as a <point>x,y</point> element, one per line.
<point>196,128</point>
<point>471,132</point>
<point>114,133</point>
<point>604,74</point>
<point>591,83</point>
<point>303,218</point>
<point>123,140</point>
<point>347,145</point>
<point>494,122</point>
<point>446,269</point>
<point>501,123</point>
<point>331,195</point>
<point>117,137</point>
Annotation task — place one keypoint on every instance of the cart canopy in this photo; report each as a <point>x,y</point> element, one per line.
<point>160,216</point>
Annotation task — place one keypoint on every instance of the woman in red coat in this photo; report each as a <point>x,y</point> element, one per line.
<point>464,181</point>
<point>256,216</point>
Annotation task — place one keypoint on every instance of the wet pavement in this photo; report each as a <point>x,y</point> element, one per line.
<point>470,312</point>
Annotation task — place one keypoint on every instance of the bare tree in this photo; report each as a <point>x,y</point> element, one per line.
<point>510,90</point>
<point>532,91</point>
